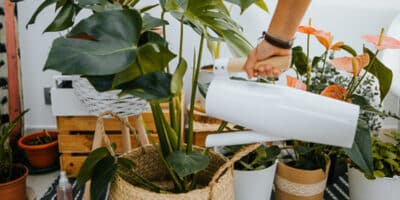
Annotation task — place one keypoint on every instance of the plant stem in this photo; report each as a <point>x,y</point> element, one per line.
<point>366,72</point>
<point>222,126</point>
<point>308,64</point>
<point>322,73</point>
<point>179,120</point>
<point>193,95</point>
<point>164,143</point>
<point>164,31</point>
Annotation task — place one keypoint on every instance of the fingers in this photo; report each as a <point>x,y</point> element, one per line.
<point>250,63</point>
<point>267,71</point>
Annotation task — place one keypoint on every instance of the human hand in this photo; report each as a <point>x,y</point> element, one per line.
<point>263,51</point>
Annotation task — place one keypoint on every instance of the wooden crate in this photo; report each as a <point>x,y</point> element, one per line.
<point>76,136</point>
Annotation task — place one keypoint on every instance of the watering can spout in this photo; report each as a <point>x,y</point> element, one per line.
<point>279,111</point>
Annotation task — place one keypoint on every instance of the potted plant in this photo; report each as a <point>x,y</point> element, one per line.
<point>254,173</point>
<point>385,182</point>
<point>115,49</point>
<point>303,172</point>
<point>12,175</point>
<point>41,148</point>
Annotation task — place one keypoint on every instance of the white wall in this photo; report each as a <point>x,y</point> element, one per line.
<point>346,19</point>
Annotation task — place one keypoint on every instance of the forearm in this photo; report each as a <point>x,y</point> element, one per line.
<point>287,17</point>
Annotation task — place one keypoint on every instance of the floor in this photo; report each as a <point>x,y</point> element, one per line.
<point>40,183</point>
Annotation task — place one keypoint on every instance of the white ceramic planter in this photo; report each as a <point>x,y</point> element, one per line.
<point>381,188</point>
<point>254,185</point>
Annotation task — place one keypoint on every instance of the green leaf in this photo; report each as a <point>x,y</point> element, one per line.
<point>381,72</point>
<point>145,63</point>
<point>126,163</point>
<point>150,22</point>
<point>116,35</point>
<point>299,59</point>
<point>64,19</point>
<point>211,14</point>
<point>147,8</point>
<point>244,4</point>
<point>153,87</point>
<point>177,77</point>
<point>42,6</point>
<point>361,151</point>
<point>149,36</point>
<point>103,172</point>
<point>101,83</point>
<point>349,50</point>
<point>94,157</point>
<point>365,105</point>
<point>185,164</point>
<point>87,3</point>
<point>315,61</point>
<point>379,173</point>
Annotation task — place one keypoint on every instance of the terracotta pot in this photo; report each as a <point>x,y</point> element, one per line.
<point>298,184</point>
<point>40,156</point>
<point>15,189</point>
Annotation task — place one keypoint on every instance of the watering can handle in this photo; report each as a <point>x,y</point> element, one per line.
<point>279,62</point>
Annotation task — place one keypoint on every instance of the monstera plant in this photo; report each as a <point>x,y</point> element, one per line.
<point>115,48</point>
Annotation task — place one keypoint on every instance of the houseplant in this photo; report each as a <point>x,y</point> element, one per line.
<point>12,176</point>
<point>114,49</point>
<point>254,173</point>
<point>41,148</point>
<point>320,76</point>
<point>385,182</point>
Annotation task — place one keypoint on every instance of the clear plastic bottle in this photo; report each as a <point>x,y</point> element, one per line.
<point>64,188</point>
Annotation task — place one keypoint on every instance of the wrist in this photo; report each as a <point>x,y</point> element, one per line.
<point>277,42</point>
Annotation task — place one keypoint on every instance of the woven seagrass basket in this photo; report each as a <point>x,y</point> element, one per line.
<point>216,179</point>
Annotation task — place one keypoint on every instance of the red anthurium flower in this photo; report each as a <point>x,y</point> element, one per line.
<point>335,91</point>
<point>295,83</point>
<point>307,30</point>
<point>346,63</point>
<point>385,43</point>
<point>326,39</point>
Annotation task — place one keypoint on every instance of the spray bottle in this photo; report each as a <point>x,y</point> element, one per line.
<point>64,189</point>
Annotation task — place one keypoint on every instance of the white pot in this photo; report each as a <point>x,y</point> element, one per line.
<point>254,185</point>
<point>381,188</point>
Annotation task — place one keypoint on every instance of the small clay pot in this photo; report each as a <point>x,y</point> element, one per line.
<point>15,189</point>
<point>43,155</point>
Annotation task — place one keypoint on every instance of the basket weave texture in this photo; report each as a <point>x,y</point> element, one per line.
<point>98,102</point>
<point>150,166</point>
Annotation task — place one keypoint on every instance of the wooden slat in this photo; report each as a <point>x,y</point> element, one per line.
<point>71,164</point>
<point>88,123</point>
<point>83,143</point>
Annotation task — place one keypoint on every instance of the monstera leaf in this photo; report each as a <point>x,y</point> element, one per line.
<point>185,164</point>
<point>112,49</point>
<point>244,4</point>
<point>211,14</point>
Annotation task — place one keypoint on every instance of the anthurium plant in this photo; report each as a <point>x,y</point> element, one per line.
<point>351,79</point>
<point>115,48</point>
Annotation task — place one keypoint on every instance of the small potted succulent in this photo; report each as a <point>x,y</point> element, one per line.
<point>41,148</point>
<point>254,173</point>
<point>385,181</point>
<point>12,176</point>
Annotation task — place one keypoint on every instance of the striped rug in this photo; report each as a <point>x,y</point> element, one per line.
<point>338,190</point>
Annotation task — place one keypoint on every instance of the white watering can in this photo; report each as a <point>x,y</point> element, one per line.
<point>276,112</point>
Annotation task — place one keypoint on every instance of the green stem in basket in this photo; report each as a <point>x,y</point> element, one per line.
<point>193,95</point>
<point>164,31</point>
<point>133,177</point>
<point>164,144</point>
<point>174,177</point>
<point>179,119</point>
<point>196,175</point>
<point>222,126</point>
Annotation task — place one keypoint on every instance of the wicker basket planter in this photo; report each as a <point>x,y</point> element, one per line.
<point>150,166</point>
